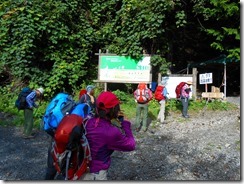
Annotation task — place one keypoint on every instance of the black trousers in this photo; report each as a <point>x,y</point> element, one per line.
<point>50,171</point>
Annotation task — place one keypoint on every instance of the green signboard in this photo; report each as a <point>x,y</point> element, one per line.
<point>124,69</point>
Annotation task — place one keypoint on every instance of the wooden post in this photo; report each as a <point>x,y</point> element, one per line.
<point>159,78</point>
<point>206,87</point>
<point>225,81</point>
<point>105,86</point>
<point>194,83</point>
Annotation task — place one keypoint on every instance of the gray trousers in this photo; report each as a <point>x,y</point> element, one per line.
<point>141,115</point>
<point>185,102</point>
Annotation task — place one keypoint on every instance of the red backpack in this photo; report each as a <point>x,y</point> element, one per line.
<point>178,89</point>
<point>158,93</point>
<point>142,94</point>
<point>82,92</point>
<point>70,147</point>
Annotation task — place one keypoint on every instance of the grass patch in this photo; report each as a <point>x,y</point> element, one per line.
<point>238,145</point>
<point>128,106</point>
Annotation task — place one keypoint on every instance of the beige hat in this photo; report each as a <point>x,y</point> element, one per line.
<point>41,90</point>
<point>189,82</point>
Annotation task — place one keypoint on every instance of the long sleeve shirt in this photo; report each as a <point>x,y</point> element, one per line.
<point>165,93</point>
<point>30,99</point>
<point>104,139</point>
<point>185,91</point>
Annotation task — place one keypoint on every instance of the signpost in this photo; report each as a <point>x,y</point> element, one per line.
<point>124,69</point>
<point>206,79</point>
<point>215,92</point>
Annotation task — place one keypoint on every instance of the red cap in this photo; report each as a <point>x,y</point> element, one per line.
<point>107,100</point>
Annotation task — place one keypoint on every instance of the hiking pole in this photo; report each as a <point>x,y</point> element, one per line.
<point>204,108</point>
<point>35,113</point>
<point>67,165</point>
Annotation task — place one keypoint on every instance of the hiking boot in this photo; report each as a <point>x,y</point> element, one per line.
<point>31,136</point>
<point>187,116</point>
<point>28,136</point>
<point>166,122</point>
<point>144,130</point>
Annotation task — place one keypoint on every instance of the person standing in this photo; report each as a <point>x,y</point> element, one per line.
<point>105,136</point>
<point>28,112</point>
<point>142,96</point>
<point>185,91</point>
<point>162,102</point>
<point>89,97</point>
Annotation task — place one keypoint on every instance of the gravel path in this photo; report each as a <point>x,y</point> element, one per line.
<point>203,147</point>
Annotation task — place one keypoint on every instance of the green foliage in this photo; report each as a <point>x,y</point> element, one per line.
<point>161,63</point>
<point>220,105</point>
<point>122,96</point>
<point>138,26</point>
<point>223,31</point>
<point>7,100</point>
<point>54,42</point>
<point>50,46</point>
<point>238,145</point>
<point>153,109</point>
<point>173,105</point>
<point>180,19</point>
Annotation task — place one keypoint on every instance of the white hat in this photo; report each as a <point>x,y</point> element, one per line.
<point>189,82</point>
<point>41,90</point>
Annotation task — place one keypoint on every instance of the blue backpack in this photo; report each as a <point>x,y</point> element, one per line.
<point>21,103</point>
<point>59,106</point>
<point>81,109</point>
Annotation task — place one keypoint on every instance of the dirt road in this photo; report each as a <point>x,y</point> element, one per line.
<point>204,147</point>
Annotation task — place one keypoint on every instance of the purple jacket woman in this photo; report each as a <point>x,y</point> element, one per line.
<point>106,134</point>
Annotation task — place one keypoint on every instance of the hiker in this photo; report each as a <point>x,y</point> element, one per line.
<point>162,101</point>
<point>105,134</point>
<point>142,96</point>
<point>75,117</point>
<point>68,138</point>
<point>185,90</point>
<point>89,97</point>
<point>28,112</point>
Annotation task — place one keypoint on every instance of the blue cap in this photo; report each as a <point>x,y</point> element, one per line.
<point>89,88</point>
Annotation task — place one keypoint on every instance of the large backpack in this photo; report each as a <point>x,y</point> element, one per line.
<point>59,106</point>
<point>21,103</point>
<point>70,149</point>
<point>158,94</point>
<point>142,95</point>
<point>178,89</point>
<point>81,109</point>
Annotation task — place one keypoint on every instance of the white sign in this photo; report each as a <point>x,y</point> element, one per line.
<point>172,81</point>
<point>206,78</point>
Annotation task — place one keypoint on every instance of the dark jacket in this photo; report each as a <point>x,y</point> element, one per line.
<point>87,99</point>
